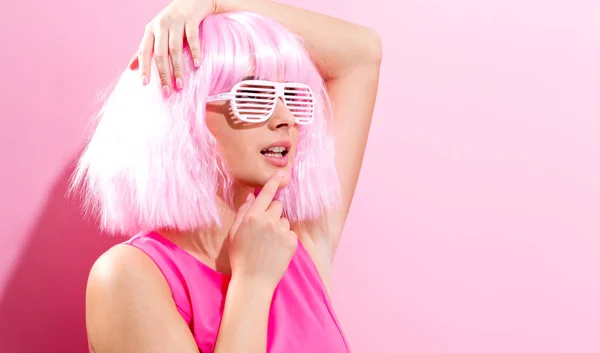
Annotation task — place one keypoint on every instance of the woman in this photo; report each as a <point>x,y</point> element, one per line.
<point>238,170</point>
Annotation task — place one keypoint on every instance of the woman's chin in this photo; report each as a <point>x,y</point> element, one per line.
<point>260,182</point>
<point>258,177</point>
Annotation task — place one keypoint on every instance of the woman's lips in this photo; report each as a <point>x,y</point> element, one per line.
<point>278,161</point>
<point>271,152</point>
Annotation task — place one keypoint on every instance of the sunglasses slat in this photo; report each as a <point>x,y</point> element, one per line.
<point>244,95</point>
<point>252,105</point>
<point>248,111</point>
<point>255,100</point>
<point>257,87</point>
<point>296,104</point>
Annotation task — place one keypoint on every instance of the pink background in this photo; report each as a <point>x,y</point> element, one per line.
<point>476,223</point>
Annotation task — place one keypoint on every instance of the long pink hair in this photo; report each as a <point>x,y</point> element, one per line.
<point>151,162</point>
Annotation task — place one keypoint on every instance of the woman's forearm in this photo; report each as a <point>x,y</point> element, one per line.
<point>245,318</point>
<point>336,46</point>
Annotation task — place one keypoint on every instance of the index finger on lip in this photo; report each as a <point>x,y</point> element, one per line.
<point>264,198</point>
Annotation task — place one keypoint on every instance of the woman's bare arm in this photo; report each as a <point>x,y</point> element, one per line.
<point>349,57</point>
<point>245,318</point>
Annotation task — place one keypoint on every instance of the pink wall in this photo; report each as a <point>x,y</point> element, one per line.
<point>476,223</point>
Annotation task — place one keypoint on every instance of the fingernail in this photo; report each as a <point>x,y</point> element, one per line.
<point>166,91</point>
<point>179,83</point>
<point>144,80</point>
<point>280,173</point>
<point>196,62</point>
<point>248,197</point>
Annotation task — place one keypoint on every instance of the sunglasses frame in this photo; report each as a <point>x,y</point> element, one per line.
<point>280,88</point>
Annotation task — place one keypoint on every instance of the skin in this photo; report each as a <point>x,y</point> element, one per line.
<point>255,243</point>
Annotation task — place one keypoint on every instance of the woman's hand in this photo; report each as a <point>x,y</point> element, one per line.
<point>261,244</point>
<point>164,36</point>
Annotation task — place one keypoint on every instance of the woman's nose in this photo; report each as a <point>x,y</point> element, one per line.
<point>281,115</point>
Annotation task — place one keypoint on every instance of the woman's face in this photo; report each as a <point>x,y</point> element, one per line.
<point>244,144</point>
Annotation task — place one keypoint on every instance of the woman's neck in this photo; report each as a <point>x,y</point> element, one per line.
<point>210,245</point>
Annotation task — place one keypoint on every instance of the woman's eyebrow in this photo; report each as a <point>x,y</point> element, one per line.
<point>248,78</point>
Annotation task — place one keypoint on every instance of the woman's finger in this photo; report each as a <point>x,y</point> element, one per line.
<point>239,217</point>
<point>161,56</point>
<point>175,48</point>
<point>275,210</point>
<point>267,193</point>
<point>144,56</point>
<point>191,35</point>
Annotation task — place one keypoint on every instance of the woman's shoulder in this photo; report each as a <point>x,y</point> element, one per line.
<point>141,265</point>
<point>121,283</point>
<point>124,269</point>
<point>126,292</point>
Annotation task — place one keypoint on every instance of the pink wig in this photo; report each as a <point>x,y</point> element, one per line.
<point>151,162</point>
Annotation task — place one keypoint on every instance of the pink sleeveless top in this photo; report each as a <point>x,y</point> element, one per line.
<point>301,317</point>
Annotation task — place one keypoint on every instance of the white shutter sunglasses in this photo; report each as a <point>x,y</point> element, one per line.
<point>254,101</point>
